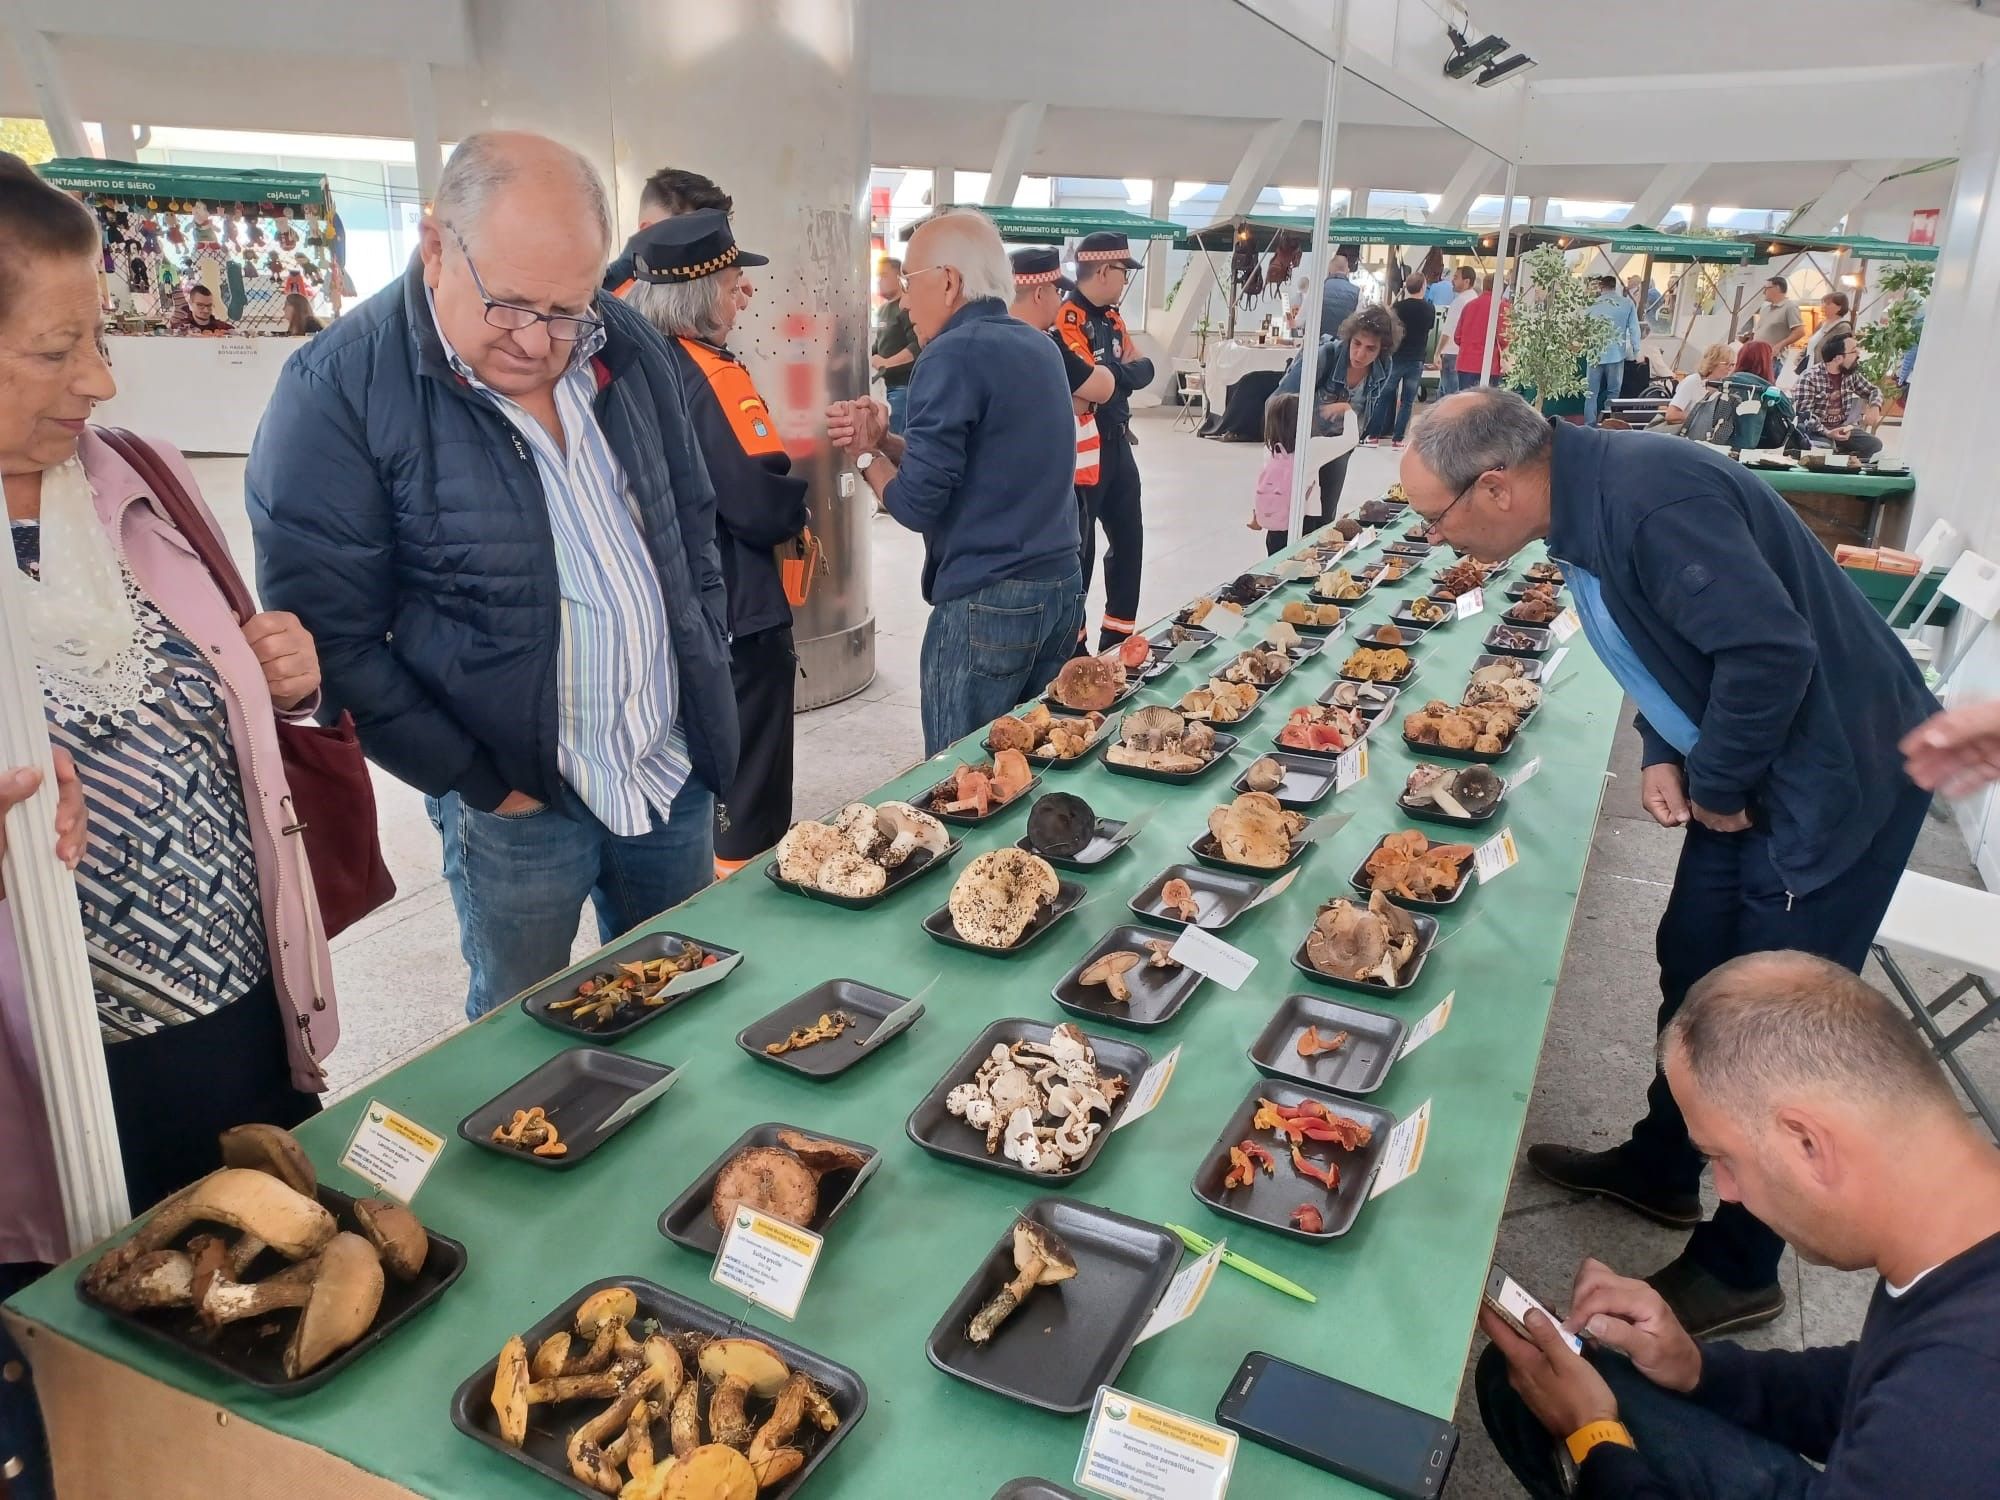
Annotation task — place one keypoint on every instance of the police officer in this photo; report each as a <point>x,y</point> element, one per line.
<point>1039,285</point>
<point>688,279</point>
<point>1090,326</point>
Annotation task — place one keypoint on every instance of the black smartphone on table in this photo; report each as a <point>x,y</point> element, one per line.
<point>1393,1449</point>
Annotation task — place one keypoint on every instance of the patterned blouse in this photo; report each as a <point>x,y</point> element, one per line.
<point>172,915</point>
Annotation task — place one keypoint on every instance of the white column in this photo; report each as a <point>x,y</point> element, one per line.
<point>944,186</point>
<point>1017,148</point>
<point>421,93</point>
<point>1499,277</point>
<point>1538,209</point>
<point>1464,187</point>
<point>119,138</point>
<point>1157,279</point>
<point>1316,263</point>
<point>1253,174</point>
<point>1670,185</point>
<point>1840,197</point>
<point>45,76</point>
<point>1357,201</point>
<point>1698,215</point>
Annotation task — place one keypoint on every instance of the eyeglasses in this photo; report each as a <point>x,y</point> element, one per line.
<point>564,328</point>
<point>1432,532</point>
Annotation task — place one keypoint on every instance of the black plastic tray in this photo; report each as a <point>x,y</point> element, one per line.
<point>536,1001</point>
<point>1406,638</point>
<point>1050,762</point>
<point>866,1004</point>
<point>1269,1199</point>
<point>1181,619</point>
<point>942,1133</point>
<point>1325,630</point>
<point>243,1351</point>
<point>1519,591</point>
<point>1430,813</point>
<point>1202,639</point>
<point>1109,838</point>
<point>1446,752</point>
<point>1409,547</point>
<point>472,1407</point>
<point>1399,680</point>
<point>1359,882</point>
<point>579,1089</point>
<point>1403,620</point>
<point>1375,1041</point>
<point>1224,743</point>
<point>1157,994</point>
<point>1350,605</point>
<point>1427,936</point>
<point>1056,706</point>
<point>687,1222</point>
<point>1261,587</point>
<point>1220,896</point>
<point>1203,847</point>
<point>921,862</point>
<point>1308,781</point>
<point>1069,896</point>
<point>1034,1489</point>
<point>1540,641</point>
<point>927,802</point>
<point>1217,724</point>
<point>1065,1340</point>
<point>1368,711</point>
<point>1530,668</point>
<point>1507,617</point>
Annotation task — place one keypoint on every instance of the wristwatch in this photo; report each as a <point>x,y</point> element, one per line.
<point>862,462</point>
<point>1591,1434</point>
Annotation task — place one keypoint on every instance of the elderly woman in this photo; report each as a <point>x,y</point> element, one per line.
<point>689,281</point>
<point>1717,361</point>
<point>1353,378</point>
<point>211,976</point>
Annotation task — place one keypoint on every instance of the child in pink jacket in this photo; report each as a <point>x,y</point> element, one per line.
<point>1271,512</point>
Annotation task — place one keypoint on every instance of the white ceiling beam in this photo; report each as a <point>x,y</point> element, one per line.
<point>422,93</point>
<point>1670,185</point>
<point>1252,175</point>
<point>1464,186</point>
<point>1840,197</point>
<point>1017,148</point>
<point>45,76</point>
<point>438,31</point>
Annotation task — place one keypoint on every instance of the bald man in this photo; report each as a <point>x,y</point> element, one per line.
<point>1827,1117</point>
<point>482,489</point>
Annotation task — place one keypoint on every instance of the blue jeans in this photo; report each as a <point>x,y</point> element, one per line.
<point>1606,381</point>
<point>993,648</point>
<point>898,397</point>
<point>1406,388</point>
<point>1697,1453</point>
<point>518,882</point>
<point>1447,373</point>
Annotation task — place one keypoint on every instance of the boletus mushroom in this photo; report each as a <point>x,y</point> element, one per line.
<point>345,1296</point>
<point>1040,1259</point>
<point>739,1369</point>
<point>1110,971</point>
<point>267,1148</point>
<point>781,1180</point>
<point>712,1472</point>
<point>240,1198</point>
<point>397,1235</point>
<point>159,1278</point>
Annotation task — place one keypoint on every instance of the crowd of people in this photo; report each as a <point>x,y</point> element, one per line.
<point>541,563</point>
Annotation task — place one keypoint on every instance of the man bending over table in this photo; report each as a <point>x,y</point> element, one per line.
<point>1771,698</point>
<point>1825,1115</point>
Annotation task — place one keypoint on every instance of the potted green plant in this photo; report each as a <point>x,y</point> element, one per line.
<point>1551,331</point>
<point>1885,341</point>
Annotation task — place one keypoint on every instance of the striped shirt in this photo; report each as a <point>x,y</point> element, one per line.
<point>618,739</point>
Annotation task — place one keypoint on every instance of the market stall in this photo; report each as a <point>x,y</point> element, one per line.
<point>1058,226</point>
<point>1396,1294</point>
<point>252,239</point>
<point>1702,259</point>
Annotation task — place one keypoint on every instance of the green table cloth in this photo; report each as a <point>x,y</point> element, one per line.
<point>1820,482</point>
<point>1397,1295</point>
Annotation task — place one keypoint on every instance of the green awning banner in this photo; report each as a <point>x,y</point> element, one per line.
<point>1860,246</point>
<point>1680,248</point>
<point>216,186</point>
<point>1053,226</point>
<point>1260,229</point>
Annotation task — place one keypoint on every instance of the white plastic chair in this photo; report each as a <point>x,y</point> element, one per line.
<point>1957,926</point>
<point>1192,387</point>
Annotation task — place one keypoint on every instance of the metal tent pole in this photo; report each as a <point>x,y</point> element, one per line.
<point>1499,280</point>
<point>42,901</point>
<point>1317,256</point>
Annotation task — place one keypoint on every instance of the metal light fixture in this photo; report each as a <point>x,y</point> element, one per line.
<point>1466,56</point>
<point>1520,62</point>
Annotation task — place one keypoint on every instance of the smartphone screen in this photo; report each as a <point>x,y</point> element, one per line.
<point>1515,1301</point>
<point>1355,1433</point>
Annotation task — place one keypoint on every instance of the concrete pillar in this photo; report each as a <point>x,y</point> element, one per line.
<point>1357,202</point>
<point>1840,197</point>
<point>1538,209</point>
<point>1465,186</point>
<point>1252,175</point>
<point>120,139</point>
<point>645,84</point>
<point>422,95</point>
<point>943,186</point>
<point>1158,278</point>
<point>1017,148</point>
<point>1698,215</point>
<point>45,76</point>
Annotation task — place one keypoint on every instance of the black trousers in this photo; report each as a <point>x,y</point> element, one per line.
<point>1113,504</point>
<point>764,668</point>
<point>1332,480</point>
<point>1728,899</point>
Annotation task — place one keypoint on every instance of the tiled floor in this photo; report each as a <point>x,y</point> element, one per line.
<point>402,981</point>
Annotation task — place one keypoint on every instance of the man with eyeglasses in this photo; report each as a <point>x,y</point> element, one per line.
<point>483,487</point>
<point>1771,698</point>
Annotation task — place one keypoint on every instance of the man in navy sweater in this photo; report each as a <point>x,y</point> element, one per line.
<point>984,470</point>
<point>1771,699</point>
<point>1826,1115</point>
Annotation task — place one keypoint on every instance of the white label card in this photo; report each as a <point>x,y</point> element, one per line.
<point>1151,1087</point>
<point>899,1020</point>
<point>1352,767</point>
<point>1564,625</point>
<point>392,1151</point>
<point>1134,1450</point>
<point>1184,1293</point>
<point>1471,602</point>
<point>1405,1151</point>
<point>1428,1027</point>
<point>1277,887</point>
<point>1366,538</point>
<point>1226,623</point>
<point>1549,671</point>
<point>1293,568</point>
<point>1496,856</point>
<point>766,1260</point>
<point>1328,824</point>
<point>1526,774</point>
<point>701,979</point>
<point>1212,958</point>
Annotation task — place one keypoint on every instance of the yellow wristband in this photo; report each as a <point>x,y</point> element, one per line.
<point>1591,1434</point>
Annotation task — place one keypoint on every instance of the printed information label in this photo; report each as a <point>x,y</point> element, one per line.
<point>1526,774</point>
<point>1150,1089</point>
<point>1184,1293</point>
<point>766,1260</point>
<point>1471,602</point>
<point>1428,1027</point>
<point>1226,623</point>
<point>1565,625</point>
<point>1496,856</point>
<point>1352,767</point>
<point>1134,1450</point>
<point>1405,1151</point>
<point>392,1151</point>
<point>1212,958</point>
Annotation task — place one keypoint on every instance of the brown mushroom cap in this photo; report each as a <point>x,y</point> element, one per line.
<point>1038,1249</point>
<point>769,1179</point>
<point>821,1157</point>
<point>614,1304</point>
<point>510,1392</point>
<point>396,1234</point>
<point>346,1294</point>
<point>751,1361</point>
<point>266,1148</point>
<point>1110,971</point>
<point>713,1471</point>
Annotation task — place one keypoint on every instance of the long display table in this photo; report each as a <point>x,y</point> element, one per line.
<point>1397,1295</point>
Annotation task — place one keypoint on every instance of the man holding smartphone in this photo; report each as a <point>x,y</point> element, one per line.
<point>1771,699</point>
<point>1827,1116</point>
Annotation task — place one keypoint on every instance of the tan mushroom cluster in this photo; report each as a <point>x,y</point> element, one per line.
<point>998,896</point>
<point>853,855</point>
<point>1305,612</point>
<point>1219,700</point>
<point>1485,727</point>
<point>1261,666</point>
<point>1255,830</point>
<point>1021,1087</point>
<point>714,1452</point>
<point>1039,732</point>
<point>1374,942</point>
<point>1497,684</point>
<point>1198,612</point>
<point>1159,739</point>
<point>1339,585</point>
<point>781,1180</point>
<point>266,1193</point>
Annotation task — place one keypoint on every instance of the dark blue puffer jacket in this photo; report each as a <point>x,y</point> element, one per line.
<point>400,517</point>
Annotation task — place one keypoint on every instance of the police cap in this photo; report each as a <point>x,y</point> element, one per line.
<point>688,247</point>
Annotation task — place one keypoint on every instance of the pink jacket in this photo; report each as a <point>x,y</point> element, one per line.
<point>31,1219</point>
<point>1274,492</point>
